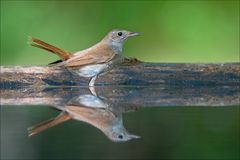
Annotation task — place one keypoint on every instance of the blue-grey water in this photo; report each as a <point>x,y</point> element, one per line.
<point>166,132</point>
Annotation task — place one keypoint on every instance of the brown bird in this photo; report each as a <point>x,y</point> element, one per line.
<point>111,124</point>
<point>93,61</point>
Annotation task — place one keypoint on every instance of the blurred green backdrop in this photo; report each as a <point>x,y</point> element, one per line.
<point>171,31</point>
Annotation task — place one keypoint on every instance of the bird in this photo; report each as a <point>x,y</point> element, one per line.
<point>93,61</point>
<point>94,111</point>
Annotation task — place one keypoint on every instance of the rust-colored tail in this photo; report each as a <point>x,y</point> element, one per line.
<point>43,45</point>
<point>62,117</point>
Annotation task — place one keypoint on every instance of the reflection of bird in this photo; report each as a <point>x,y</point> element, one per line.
<point>92,61</point>
<point>92,110</point>
<point>110,124</point>
<point>62,117</point>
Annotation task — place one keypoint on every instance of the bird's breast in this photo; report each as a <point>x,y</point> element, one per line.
<point>92,70</point>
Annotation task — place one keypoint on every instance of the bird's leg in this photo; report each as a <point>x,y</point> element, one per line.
<point>92,90</point>
<point>92,81</point>
<point>91,85</point>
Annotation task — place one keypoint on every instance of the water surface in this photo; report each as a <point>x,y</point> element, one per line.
<point>170,131</point>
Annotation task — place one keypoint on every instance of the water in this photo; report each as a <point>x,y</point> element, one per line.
<point>204,126</point>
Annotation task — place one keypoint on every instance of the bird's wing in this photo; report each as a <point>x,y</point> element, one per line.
<point>93,56</point>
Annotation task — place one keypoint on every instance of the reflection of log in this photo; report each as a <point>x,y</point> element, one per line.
<point>168,85</point>
<point>184,75</point>
<point>126,97</point>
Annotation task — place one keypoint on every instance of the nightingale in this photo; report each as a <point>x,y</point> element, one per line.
<point>92,61</point>
<point>92,110</point>
<point>104,120</point>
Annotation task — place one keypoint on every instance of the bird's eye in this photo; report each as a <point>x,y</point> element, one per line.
<point>120,136</point>
<point>120,33</point>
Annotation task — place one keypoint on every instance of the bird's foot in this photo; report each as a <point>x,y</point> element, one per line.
<point>92,90</point>
<point>92,81</point>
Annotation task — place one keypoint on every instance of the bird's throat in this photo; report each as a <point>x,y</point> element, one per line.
<point>116,47</point>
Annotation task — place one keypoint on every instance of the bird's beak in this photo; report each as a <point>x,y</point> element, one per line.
<point>134,136</point>
<point>130,34</point>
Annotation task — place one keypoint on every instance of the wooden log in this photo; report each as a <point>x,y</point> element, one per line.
<point>140,85</point>
<point>124,97</point>
<point>180,75</point>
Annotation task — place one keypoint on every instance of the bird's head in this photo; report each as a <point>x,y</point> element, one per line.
<point>117,37</point>
<point>120,134</point>
<point>116,131</point>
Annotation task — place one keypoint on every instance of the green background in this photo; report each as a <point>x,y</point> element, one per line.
<point>171,31</point>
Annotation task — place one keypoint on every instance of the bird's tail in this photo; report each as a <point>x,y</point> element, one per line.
<point>43,45</point>
<point>62,117</point>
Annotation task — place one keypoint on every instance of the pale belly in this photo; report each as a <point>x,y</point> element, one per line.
<point>89,100</point>
<point>91,70</point>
